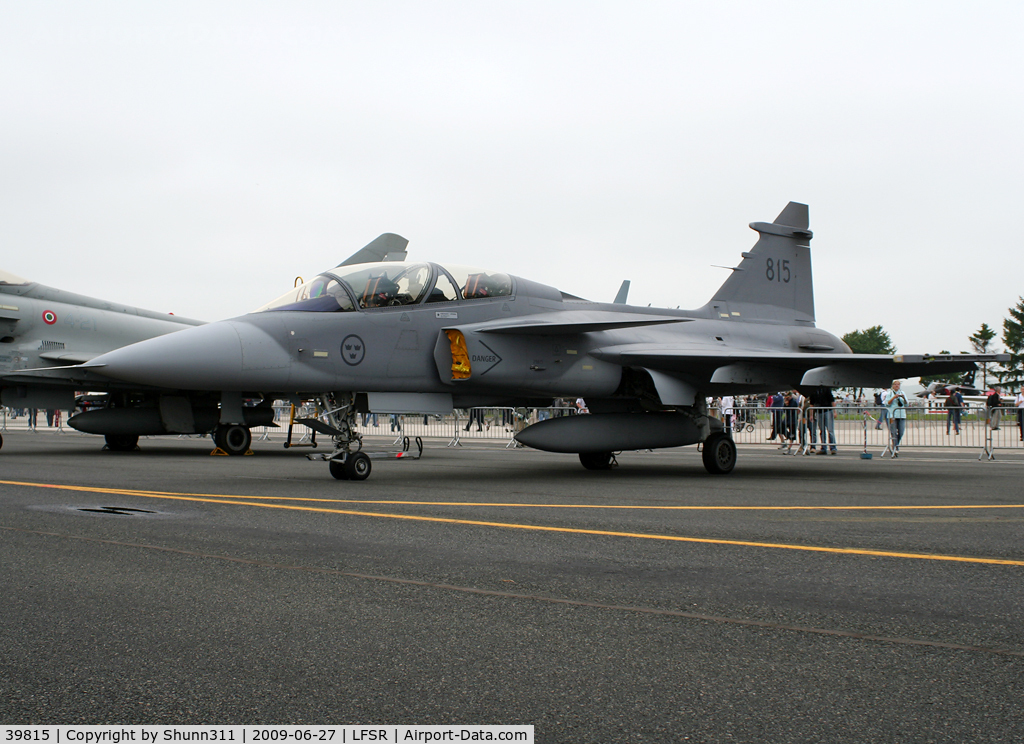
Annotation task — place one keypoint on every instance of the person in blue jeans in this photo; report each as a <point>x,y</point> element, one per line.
<point>896,401</point>
<point>823,402</point>
<point>954,405</point>
<point>883,414</point>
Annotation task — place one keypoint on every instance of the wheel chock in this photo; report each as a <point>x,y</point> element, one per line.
<point>218,452</point>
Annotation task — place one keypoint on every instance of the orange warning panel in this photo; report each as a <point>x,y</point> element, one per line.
<point>461,369</point>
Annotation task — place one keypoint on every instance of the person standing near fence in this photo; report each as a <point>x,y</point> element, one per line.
<point>824,403</point>
<point>774,401</point>
<point>896,401</point>
<point>954,406</point>
<point>1019,402</point>
<point>992,403</point>
<point>793,400</point>
<point>475,414</point>
<point>883,413</point>
<point>806,426</point>
<point>727,405</point>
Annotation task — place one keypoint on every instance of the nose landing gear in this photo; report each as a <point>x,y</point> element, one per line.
<point>348,461</point>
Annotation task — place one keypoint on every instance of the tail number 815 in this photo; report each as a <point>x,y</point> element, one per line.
<point>777,271</point>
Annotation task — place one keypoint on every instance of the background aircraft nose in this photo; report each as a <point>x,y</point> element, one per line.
<point>207,357</point>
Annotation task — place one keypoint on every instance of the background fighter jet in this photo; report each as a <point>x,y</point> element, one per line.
<point>422,338</point>
<point>41,326</point>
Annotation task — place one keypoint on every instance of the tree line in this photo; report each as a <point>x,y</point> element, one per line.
<point>875,340</point>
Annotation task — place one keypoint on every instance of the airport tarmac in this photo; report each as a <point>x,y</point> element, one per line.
<point>801,599</point>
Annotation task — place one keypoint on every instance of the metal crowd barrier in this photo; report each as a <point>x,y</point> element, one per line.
<point>867,428</point>
<point>862,428</point>
<point>474,424</point>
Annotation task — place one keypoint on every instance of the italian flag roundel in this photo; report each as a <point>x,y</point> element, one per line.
<point>49,317</point>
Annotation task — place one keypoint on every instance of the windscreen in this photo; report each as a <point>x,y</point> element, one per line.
<point>324,294</point>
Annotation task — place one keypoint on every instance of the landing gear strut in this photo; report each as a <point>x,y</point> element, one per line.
<point>348,461</point>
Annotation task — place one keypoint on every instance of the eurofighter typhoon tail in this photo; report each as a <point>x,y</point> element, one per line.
<point>402,337</point>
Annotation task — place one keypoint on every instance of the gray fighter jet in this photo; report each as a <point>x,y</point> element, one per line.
<point>42,326</point>
<point>406,337</point>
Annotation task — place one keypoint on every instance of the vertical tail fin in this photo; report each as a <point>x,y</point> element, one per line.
<point>386,247</point>
<point>620,298</point>
<point>773,281</point>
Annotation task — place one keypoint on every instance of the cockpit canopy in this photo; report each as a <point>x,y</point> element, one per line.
<point>390,284</point>
<point>7,277</point>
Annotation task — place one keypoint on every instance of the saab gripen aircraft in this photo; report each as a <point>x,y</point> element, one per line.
<point>406,337</point>
<point>43,328</point>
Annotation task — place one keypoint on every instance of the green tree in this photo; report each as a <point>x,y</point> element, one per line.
<point>981,342</point>
<point>872,340</point>
<point>1013,337</point>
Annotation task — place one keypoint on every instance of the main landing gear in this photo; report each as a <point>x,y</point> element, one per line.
<point>234,439</point>
<point>719,454</point>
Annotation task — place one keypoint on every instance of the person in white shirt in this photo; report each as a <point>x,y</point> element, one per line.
<point>727,404</point>
<point>1019,402</point>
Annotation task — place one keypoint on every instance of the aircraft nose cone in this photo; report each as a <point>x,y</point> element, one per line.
<point>206,357</point>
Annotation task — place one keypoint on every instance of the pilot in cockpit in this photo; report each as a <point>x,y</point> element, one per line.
<point>380,292</point>
<point>479,286</point>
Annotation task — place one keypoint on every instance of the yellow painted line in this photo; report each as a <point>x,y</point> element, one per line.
<point>534,527</point>
<point>131,492</point>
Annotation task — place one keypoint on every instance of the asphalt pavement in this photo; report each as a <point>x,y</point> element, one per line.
<point>799,599</point>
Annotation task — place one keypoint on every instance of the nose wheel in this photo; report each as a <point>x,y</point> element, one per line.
<point>355,467</point>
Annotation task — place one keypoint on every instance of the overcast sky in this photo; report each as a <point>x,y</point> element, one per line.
<point>195,157</point>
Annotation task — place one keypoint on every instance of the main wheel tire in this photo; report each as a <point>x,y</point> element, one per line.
<point>358,466</point>
<point>719,454</point>
<point>338,469</point>
<point>121,442</point>
<point>233,438</point>
<point>596,460</point>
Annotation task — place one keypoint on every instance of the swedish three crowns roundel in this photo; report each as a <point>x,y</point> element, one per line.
<point>352,350</point>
